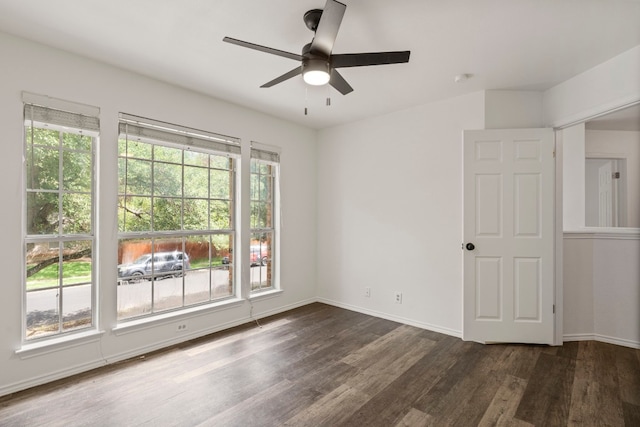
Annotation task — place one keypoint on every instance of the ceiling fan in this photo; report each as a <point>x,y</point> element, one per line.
<point>318,64</point>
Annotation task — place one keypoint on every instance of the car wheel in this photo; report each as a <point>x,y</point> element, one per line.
<point>264,260</point>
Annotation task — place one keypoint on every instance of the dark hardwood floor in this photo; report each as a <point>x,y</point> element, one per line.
<point>324,366</point>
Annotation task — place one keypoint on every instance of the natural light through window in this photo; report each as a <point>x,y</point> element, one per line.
<point>176,218</point>
<point>59,232</point>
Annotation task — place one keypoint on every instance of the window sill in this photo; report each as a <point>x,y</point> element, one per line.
<point>129,326</point>
<point>603,233</point>
<point>260,295</point>
<point>40,348</point>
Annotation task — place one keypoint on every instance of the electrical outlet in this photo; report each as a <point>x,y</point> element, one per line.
<point>182,327</point>
<point>367,292</point>
<point>398,297</point>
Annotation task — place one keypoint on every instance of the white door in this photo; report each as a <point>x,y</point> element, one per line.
<point>605,195</point>
<point>509,236</point>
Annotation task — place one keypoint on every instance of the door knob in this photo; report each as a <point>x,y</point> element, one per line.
<point>470,246</point>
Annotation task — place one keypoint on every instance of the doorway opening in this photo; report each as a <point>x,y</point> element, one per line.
<point>605,192</point>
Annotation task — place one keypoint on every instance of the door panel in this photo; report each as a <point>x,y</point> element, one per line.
<point>508,216</point>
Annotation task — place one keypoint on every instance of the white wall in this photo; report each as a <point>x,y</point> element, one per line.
<point>42,70</point>
<point>602,287</point>
<point>573,173</point>
<point>511,109</point>
<point>390,213</point>
<point>620,144</point>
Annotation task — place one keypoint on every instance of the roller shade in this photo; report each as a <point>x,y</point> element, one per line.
<point>147,129</point>
<point>40,114</point>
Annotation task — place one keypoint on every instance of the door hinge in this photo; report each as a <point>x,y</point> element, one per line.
<point>554,154</point>
<point>615,175</point>
<point>554,309</point>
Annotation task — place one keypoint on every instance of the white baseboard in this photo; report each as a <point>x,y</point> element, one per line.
<point>602,338</point>
<point>53,376</point>
<point>403,320</point>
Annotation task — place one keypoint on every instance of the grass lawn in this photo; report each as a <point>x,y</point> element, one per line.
<point>73,272</point>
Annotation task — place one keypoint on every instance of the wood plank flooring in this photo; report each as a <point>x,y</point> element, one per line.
<point>324,366</point>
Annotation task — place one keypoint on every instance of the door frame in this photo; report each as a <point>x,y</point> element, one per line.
<point>558,126</point>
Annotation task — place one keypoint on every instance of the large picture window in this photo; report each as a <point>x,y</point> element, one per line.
<point>176,217</point>
<point>59,221</point>
<point>263,249</point>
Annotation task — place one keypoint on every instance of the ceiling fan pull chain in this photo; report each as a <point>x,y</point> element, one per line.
<point>306,99</point>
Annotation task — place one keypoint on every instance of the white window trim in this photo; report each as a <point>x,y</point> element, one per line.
<point>54,341</point>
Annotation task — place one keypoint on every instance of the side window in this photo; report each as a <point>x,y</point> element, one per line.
<point>59,221</point>
<point>264,223</point>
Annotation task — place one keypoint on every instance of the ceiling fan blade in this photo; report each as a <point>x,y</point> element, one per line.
<point>328,27</point>
<point>265,49</point>
<point>339,83</point>
<point>364,59</point>
<point>296,71</point>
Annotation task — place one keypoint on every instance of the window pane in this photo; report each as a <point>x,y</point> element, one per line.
<point>76,209</point>
<point>42,315</point>
<point>76,303</point>
<point>222,266</point>
<point>46,137</point>
<point>42,213</point>
<point>42,168</point>
<point>134,214</point>
<point>196,159</point>
<point>166,214</point>
<point>75,141</point>
<point>168,264</point>
<point>136,149</point>
<point>197,279</point>
<point>260,259</point>
<point>221,162</point>
<point>136,180</point>
<point>221,184</point>
<point>77,263</point>
<point>196,214</point>
<point>196,182</point>
<point>76,171</point>
<point>221,250</point>
<point>134,270</point>
<point>167,154</point>
<point>167,179</point>
<point>43,267</point>
<point>221,218</point>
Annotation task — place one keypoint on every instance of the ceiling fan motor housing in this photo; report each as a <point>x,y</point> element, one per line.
<point>314,63</point>
<point>312,18</point>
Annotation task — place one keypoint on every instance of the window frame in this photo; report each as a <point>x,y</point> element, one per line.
<point>262,154</point>
<point>161,134</point>
<point>64,118</point>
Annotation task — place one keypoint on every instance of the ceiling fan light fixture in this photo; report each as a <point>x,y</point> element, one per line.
<point>316,72</point>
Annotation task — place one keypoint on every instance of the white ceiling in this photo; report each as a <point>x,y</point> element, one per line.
<point>504,44</point>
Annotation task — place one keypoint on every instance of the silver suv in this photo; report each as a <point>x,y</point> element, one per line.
<point>154,266</point>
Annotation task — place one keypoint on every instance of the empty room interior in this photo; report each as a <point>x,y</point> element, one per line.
<point>317,212</point>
